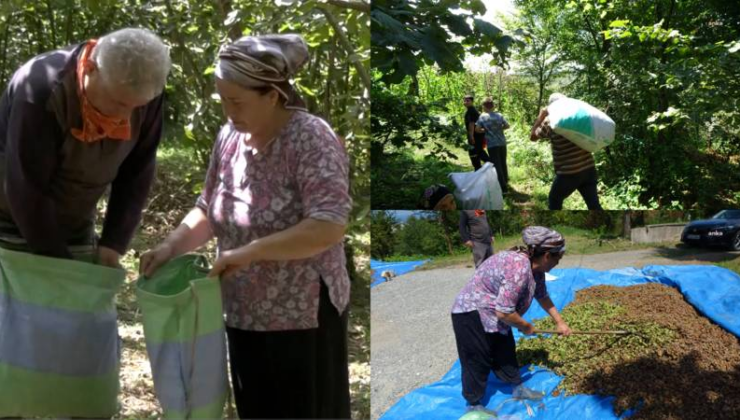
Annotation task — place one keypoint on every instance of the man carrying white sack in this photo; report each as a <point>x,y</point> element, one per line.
<point>574,167</point>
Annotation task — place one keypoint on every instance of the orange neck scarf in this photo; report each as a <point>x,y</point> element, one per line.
<point>480,213</point>
<point>95,125</point>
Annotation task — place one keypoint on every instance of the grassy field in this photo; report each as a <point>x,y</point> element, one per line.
<point>173,195</point>
<point>578,242</point>
<point>733,265</point>
<point>402,176</point>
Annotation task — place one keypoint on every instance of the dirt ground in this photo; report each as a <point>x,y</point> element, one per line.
<point>696,375</point>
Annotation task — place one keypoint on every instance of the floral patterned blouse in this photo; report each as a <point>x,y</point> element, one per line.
<point>504,282</point>
<point>248,195</point>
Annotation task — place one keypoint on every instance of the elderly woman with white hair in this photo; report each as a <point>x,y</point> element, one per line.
<point>575,168</point>
<point>276,197</point>
<point>494,300</point>
<point>73,123</point>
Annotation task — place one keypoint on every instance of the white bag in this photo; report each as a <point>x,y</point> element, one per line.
<point>478,190</point>
<point>579,122</point>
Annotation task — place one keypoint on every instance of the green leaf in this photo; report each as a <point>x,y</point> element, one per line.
<point>457,24</point>
<point>386,21</point>
<point>478,7</point>
<point>619,23</point>
<point>407,62</point>
<point>487,29</point>
<point>307,91</point>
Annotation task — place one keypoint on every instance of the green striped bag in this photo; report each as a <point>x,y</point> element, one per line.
<point>59,344</point>
<point>185,338</point>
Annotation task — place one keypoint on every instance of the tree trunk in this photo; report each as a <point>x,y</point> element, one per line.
<point>236,30</point>
<point>414,86</point>
<point>344,41</point>
<point>627,224</point>
<point>448,239</point>
<point>52,24</point>
<point>4,62</point>
<point>329,78</point>
<point>71,12</point>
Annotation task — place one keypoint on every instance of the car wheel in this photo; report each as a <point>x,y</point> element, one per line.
<point>735,243</point>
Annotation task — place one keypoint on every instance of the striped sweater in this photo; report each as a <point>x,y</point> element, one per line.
<point>566,156</point>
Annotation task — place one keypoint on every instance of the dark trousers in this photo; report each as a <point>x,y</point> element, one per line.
<point>480,353</point>
<point>481,252</point>
<point>299,374</point>
<point>498,158</point>
<point>478,154</point>
<point>564,185</point>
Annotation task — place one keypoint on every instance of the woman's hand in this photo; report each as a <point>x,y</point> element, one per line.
<point>231,261</point>
<point>564,329</point>
<point>153,259</point>
<point>528,329</point>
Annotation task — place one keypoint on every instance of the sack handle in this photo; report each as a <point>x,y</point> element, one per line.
<point>201,263</point>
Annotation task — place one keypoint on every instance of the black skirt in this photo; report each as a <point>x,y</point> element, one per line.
<point>297,374</point>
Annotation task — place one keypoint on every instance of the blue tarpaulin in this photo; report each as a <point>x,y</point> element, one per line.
<point>399,268</point>
<point>713,291</point>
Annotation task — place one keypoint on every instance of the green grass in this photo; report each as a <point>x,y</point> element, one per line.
<point>400,177</point>
<point>733,265</point>
<point>578,242</point>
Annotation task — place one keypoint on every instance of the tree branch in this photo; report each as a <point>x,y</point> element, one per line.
<point>592,33</point>
<point>354,5</point>
<point>362,71</point>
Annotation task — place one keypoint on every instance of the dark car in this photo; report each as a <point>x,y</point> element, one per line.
<point>722,229</point>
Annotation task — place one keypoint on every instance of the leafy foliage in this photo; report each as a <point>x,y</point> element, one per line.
<point>436,233</point>
<point>383,225</point>
<point>670,120</point>
<point>409,33</point>
<point>335,83</point>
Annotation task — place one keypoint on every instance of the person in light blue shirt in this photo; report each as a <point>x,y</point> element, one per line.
<point>493,125</point>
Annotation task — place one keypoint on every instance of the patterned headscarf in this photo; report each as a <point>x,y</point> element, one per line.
<point>432,196</point>
<point>269,60</point>
<point>541,239</point>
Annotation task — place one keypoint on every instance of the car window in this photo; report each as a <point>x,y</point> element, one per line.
<point>727,214</point>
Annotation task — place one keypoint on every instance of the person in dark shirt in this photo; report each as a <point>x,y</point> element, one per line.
<point>476,140</point>
<point>75,123</point>
<point>476,234</point>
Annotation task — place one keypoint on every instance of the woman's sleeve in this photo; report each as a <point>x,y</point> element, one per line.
<point>323,174</point>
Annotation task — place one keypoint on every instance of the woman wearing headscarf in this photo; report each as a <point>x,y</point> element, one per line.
<point>276,198</point>
<point>495,300</point>
<point>437,197</point>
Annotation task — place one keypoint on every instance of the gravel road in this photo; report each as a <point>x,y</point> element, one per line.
<point>411,335</point>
